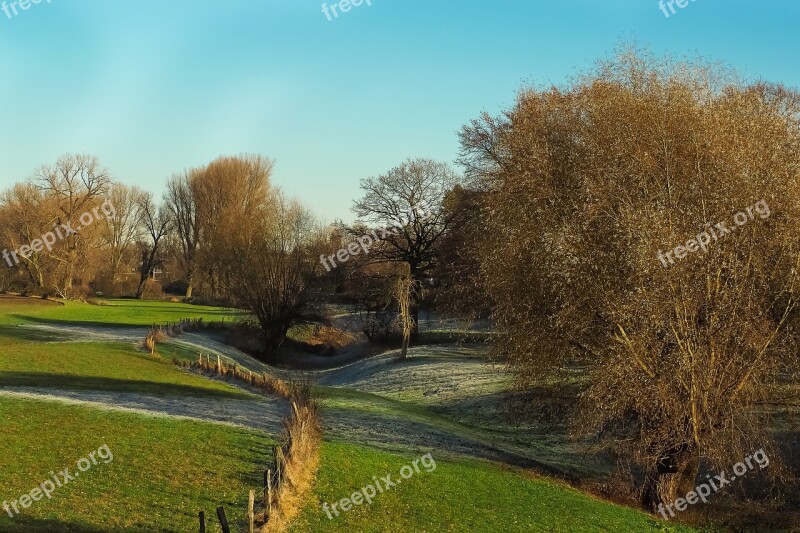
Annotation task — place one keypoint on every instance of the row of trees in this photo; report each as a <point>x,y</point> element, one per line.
<point>223,233</point>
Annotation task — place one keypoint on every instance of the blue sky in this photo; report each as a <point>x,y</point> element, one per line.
<point>153,87</point>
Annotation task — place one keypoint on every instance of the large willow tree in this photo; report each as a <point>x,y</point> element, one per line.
<point>585,186</point>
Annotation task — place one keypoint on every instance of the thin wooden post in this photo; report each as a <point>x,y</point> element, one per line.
<point>278,453</point>
<point>202,522</point>
<point>268,492</point>
<point>251,515</point>
<point>219,365</point>
<point>223,521</point>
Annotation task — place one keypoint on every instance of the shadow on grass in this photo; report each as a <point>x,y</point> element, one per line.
<point>88,383</point>
<point>25,524</point>
<point>28,334</point>
<point>108,323</point>
<point>113,322</point>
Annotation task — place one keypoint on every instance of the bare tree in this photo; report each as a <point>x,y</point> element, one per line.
<point>158,224</point>
<point>123,226</point>
<point>181,202</point>
<point>406,204</point>
<point>76,183</point>
<point>406,292</point>
<point>25,214</point>
<point>277,263</point>
<point>227,192</point>
<point>459,289</point>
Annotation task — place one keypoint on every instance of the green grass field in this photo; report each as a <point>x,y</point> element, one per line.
<point>459,495</point>
<point>119,313</point>
<point>101,366</point>
<point>163,473</point>
<point>165,470</point>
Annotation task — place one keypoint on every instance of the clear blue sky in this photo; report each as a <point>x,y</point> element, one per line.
<point>153,87</point>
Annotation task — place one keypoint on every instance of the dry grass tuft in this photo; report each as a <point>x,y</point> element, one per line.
<point>297,458</point>
<point>154,336</point>
<point>262,382</point>
<point>296,461</point>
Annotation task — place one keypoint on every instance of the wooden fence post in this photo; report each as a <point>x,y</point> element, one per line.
<point>268,492</point>
<point>277,451</point>
<point>202,522</point>
<point>251,515</point>
<point>223,521</point>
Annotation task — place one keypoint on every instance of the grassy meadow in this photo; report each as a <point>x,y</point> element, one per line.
<point>166,469</point>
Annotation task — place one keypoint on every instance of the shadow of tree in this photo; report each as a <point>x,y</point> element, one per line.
<point>71,382</point>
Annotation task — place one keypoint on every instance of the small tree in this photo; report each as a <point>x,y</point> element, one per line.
<point>406,203</point>
<point>181,201</point>
<point>274,273</point>
<point>157,223</point>
<point>75,184</point>
<point>122,228</point>
<point>407,291</point>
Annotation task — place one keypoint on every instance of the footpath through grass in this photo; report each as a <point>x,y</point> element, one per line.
<point>164,471</point>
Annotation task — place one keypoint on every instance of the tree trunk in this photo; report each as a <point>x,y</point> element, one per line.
<point>189,289</point>
<point>68,280</point>
<point>406,340</point>
<point>414,301</point>
<point>275,336</point>
<point>140,289</point>
<point>674,474</point>
<point>415,318</point>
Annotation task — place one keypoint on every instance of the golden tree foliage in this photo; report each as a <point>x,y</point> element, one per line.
<point>585,186</point>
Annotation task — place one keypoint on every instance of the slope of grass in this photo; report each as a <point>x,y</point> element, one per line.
<point>459,495</point>
<point>163,472</point>
<point>15,311</point>
<point>550,451</point>
<point>166,470</point>
<point>103,367</point>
